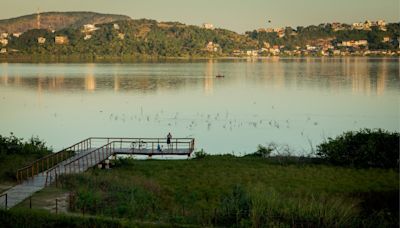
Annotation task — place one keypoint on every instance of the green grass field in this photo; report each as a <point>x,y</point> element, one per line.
<point>233,191</point>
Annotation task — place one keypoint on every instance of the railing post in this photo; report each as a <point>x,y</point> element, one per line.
<point>6,200</point>
<point>55,171</point>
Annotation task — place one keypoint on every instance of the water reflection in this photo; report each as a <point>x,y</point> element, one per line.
<point>293,100</point>
<point>362,75</point>
<point>209,77</point>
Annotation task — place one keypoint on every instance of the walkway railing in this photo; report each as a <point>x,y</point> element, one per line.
<point>5,200</point>
<point>51,160</point>
<point>113,146</point>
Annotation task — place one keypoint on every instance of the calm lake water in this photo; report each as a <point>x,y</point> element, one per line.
<point>295,102</point>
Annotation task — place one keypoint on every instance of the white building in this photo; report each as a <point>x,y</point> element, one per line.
<point>89,28</point>
<point>212,47</point>
<point>208,26</point>
<point>41,40</point>
<point>116,26</point>
<point>4,42</point>
<point>17,34</point>
<point>355,43</point>
<point>61,40</point>
<point>87,37</point>
<point>252,53</point>
<point>4,35</point>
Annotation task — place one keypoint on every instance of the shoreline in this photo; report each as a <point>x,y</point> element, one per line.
<point>158,59</point>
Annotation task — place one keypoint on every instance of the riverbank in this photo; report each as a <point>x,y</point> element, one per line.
<point>158,59</point>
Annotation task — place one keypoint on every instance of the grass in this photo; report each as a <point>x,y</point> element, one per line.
<point>232,191</point>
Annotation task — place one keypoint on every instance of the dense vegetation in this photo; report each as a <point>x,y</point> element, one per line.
<point>149,38</point>
<point>233,191</point>
<point>141,38</point>
<point>256,190</point>
<point>365,148</point>
<point>42,219</point>
<point>16,153</point>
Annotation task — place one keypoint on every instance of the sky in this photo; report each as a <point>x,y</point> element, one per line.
<point>236,15</point>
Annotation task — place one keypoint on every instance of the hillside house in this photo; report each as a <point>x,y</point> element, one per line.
<point>212,47</point>
<point>386,39</point>
<point>61,40</point>
<point>17,34</point>
<point>208,26</point>
<point>41,40</point>
<point>252,53</point>
<point>3,42</point>
<point>354,43</point>
<point>89,28</point>
<point>3,51</point>
<point>87,37</point>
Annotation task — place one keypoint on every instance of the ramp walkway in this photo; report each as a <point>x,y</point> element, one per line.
<point>84,155</point>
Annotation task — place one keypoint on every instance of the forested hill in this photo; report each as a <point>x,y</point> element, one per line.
<point>56,21</point>
<point>94,35</point>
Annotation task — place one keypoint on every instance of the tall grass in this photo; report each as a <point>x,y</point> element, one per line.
<point>230,191</point>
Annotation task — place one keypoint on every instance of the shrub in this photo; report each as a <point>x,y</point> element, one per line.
<point>365,148</point>
<point>200,154</point>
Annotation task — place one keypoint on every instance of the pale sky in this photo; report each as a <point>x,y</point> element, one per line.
<point>236,15</point>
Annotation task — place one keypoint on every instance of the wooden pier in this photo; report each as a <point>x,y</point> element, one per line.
<point>84,155</point>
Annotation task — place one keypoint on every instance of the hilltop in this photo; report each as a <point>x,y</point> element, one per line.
<point>56,21</point>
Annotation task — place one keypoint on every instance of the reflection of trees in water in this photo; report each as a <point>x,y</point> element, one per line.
<point>91,83</point>
<point>360,75</point>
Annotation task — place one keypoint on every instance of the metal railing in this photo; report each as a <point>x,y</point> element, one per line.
<point>141,146</point>
<point>51,160</point>
<point>5,200</point>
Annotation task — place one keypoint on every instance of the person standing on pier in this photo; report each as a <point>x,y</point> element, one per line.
<point>169,137</point>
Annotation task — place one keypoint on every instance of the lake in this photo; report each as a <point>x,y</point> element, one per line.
<point>296,103</point>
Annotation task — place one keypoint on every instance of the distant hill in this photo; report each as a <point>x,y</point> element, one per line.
<point>57,21</point>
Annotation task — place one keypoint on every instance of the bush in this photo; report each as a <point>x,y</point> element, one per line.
<point>365,148</point>
<point>200,154</point>
<point>15,146</point>
<point>16,153</point>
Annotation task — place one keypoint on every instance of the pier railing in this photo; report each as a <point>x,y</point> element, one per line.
<point>5,197</point>
<point>113,146</point>
<point>51,160</point>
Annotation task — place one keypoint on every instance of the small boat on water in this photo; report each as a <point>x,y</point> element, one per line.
<point>220,76</point>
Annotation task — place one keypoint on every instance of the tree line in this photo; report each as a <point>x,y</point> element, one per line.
<point>172,39</point>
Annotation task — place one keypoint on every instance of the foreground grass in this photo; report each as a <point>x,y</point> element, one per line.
<point>231,191</point>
